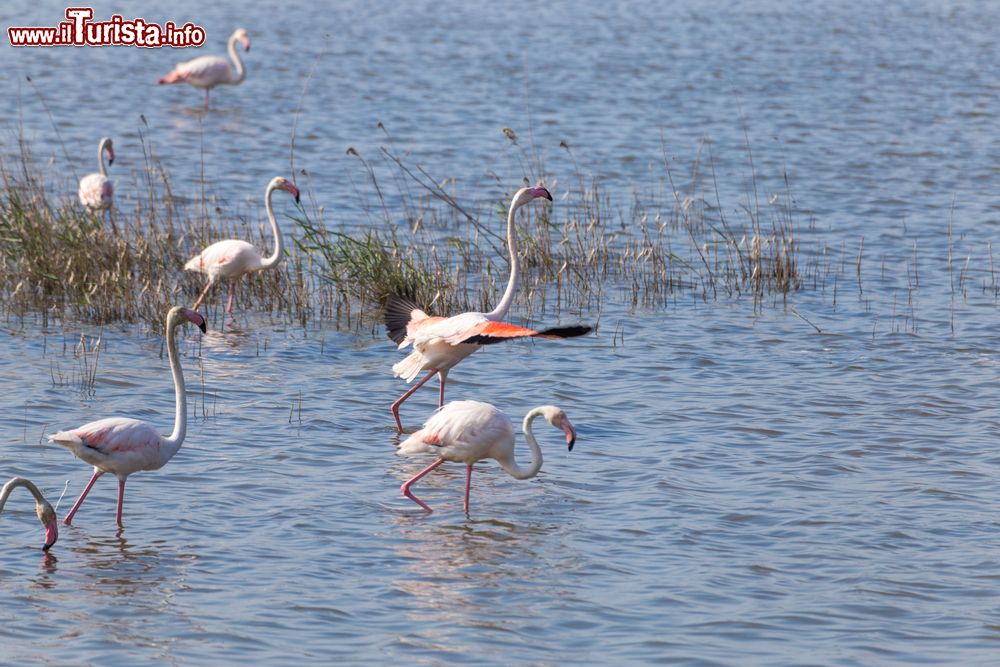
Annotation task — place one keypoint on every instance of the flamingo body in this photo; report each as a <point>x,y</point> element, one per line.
<point>123,446</point>
<point>233,258</point>
<point>96,191</point>
<point>471,431</point>
<point>207,72</point>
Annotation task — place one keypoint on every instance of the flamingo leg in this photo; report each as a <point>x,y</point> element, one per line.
<point>202,295</point>
<point>405,488</point>
<point>121,501</point>
<point>444,376</point>
<point>468,486</point>
<point>395,406</point>
<point>79,501</point>
<point>232,295</point>
<point>206,109</point>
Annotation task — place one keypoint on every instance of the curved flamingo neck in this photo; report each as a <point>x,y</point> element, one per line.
<point>507,299</point>
<point>176,439</point>
<point>234,55</point>
<point>100,158</point>
<point>16,482</point>
<point>278,241</point>
<point>511,466</point>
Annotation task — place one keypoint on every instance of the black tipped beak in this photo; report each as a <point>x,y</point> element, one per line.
<point>297,197</point>
<point>46,547</point>
<point>203,326</point>
<point>111,161</point>
<point>548,195</point>
<point>571,443</point>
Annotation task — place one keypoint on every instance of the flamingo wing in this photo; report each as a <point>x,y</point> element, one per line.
<point>488,333</point>
<point>461,431</point>
<point>201,72</point>
<point>226,258</point>
<point>116,444</point>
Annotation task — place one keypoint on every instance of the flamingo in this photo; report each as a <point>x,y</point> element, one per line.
<point>96,190</point>
<point>470,431</point>
<point>439,343</point>
<point>210,71</point>
<point>45,513</point>
<point>233,258</point>
<point>121,445</point>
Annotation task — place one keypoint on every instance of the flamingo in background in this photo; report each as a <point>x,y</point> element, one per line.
<point>122,446</point>
<point>233,258</point>
<point>96,190</point>
<point>210,71</point>
<point>45,513</point>
<point>439,343</point>
<point>470,431</point>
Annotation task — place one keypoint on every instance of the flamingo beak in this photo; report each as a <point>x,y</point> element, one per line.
<point>51,534</point>
<point>541,192</point>
<point>569,431</point>
<point>293,190</point>
<point>246,43</point>
<point>199,321</point>
<point>111,156</point>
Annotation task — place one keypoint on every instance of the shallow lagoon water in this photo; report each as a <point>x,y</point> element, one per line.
<point>745,489</point>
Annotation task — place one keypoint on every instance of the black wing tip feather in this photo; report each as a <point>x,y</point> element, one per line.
<point>397,315</point>
<point>567,332</point>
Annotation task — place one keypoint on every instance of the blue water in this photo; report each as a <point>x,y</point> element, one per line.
<point>808,480</point>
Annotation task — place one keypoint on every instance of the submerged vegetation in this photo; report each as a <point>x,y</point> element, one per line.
<point>57,259</point>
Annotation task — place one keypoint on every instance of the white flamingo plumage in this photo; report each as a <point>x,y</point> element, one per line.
<point>43,510</point>
<point>233,258</point>
<point>96,190</point>
<point>121,445</point>
<point>470,431</point>
<point>439,343</point>
<point>210,71</point>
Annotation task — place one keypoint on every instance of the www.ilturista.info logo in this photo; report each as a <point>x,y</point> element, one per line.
<point>79,30</point>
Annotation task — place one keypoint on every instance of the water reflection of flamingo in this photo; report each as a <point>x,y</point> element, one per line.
<point>470,431</point>
<point>233,258</point>
<point>122,446</point>
<point>45,513</point>
<point>96,190</point>
<point>210,71</point>
<point>439,343</point>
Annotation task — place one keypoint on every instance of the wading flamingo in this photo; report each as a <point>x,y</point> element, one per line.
<point>210,71</point>
<point>233,258</point>
<point>96,190</point>
<point>122,446</point>
<point>45,513</point>
<point>439,343</point>
<point>470,431</point>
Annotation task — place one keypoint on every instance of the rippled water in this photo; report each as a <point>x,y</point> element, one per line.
<point>746,489</point>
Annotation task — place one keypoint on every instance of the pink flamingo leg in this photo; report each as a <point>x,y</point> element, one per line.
<point>395,406</point>
<point>405,488</point>
<point>121,501</point>
<point>444,377</point>
<point>468,486</point>
<point>206,109</point>
<point>202,295</point>
<point>79,501</point>
<point>232,295</point>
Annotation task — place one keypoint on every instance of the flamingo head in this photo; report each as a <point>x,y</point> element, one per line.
<point>243,38</point>
<point>109,148</point>
<point>183,315</point>
<point>524,195</point>
<point>558,418</point>
<point>47,516</point>
<point>282,183</point>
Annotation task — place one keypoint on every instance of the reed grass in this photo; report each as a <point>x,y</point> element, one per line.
<point>431,244</point>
